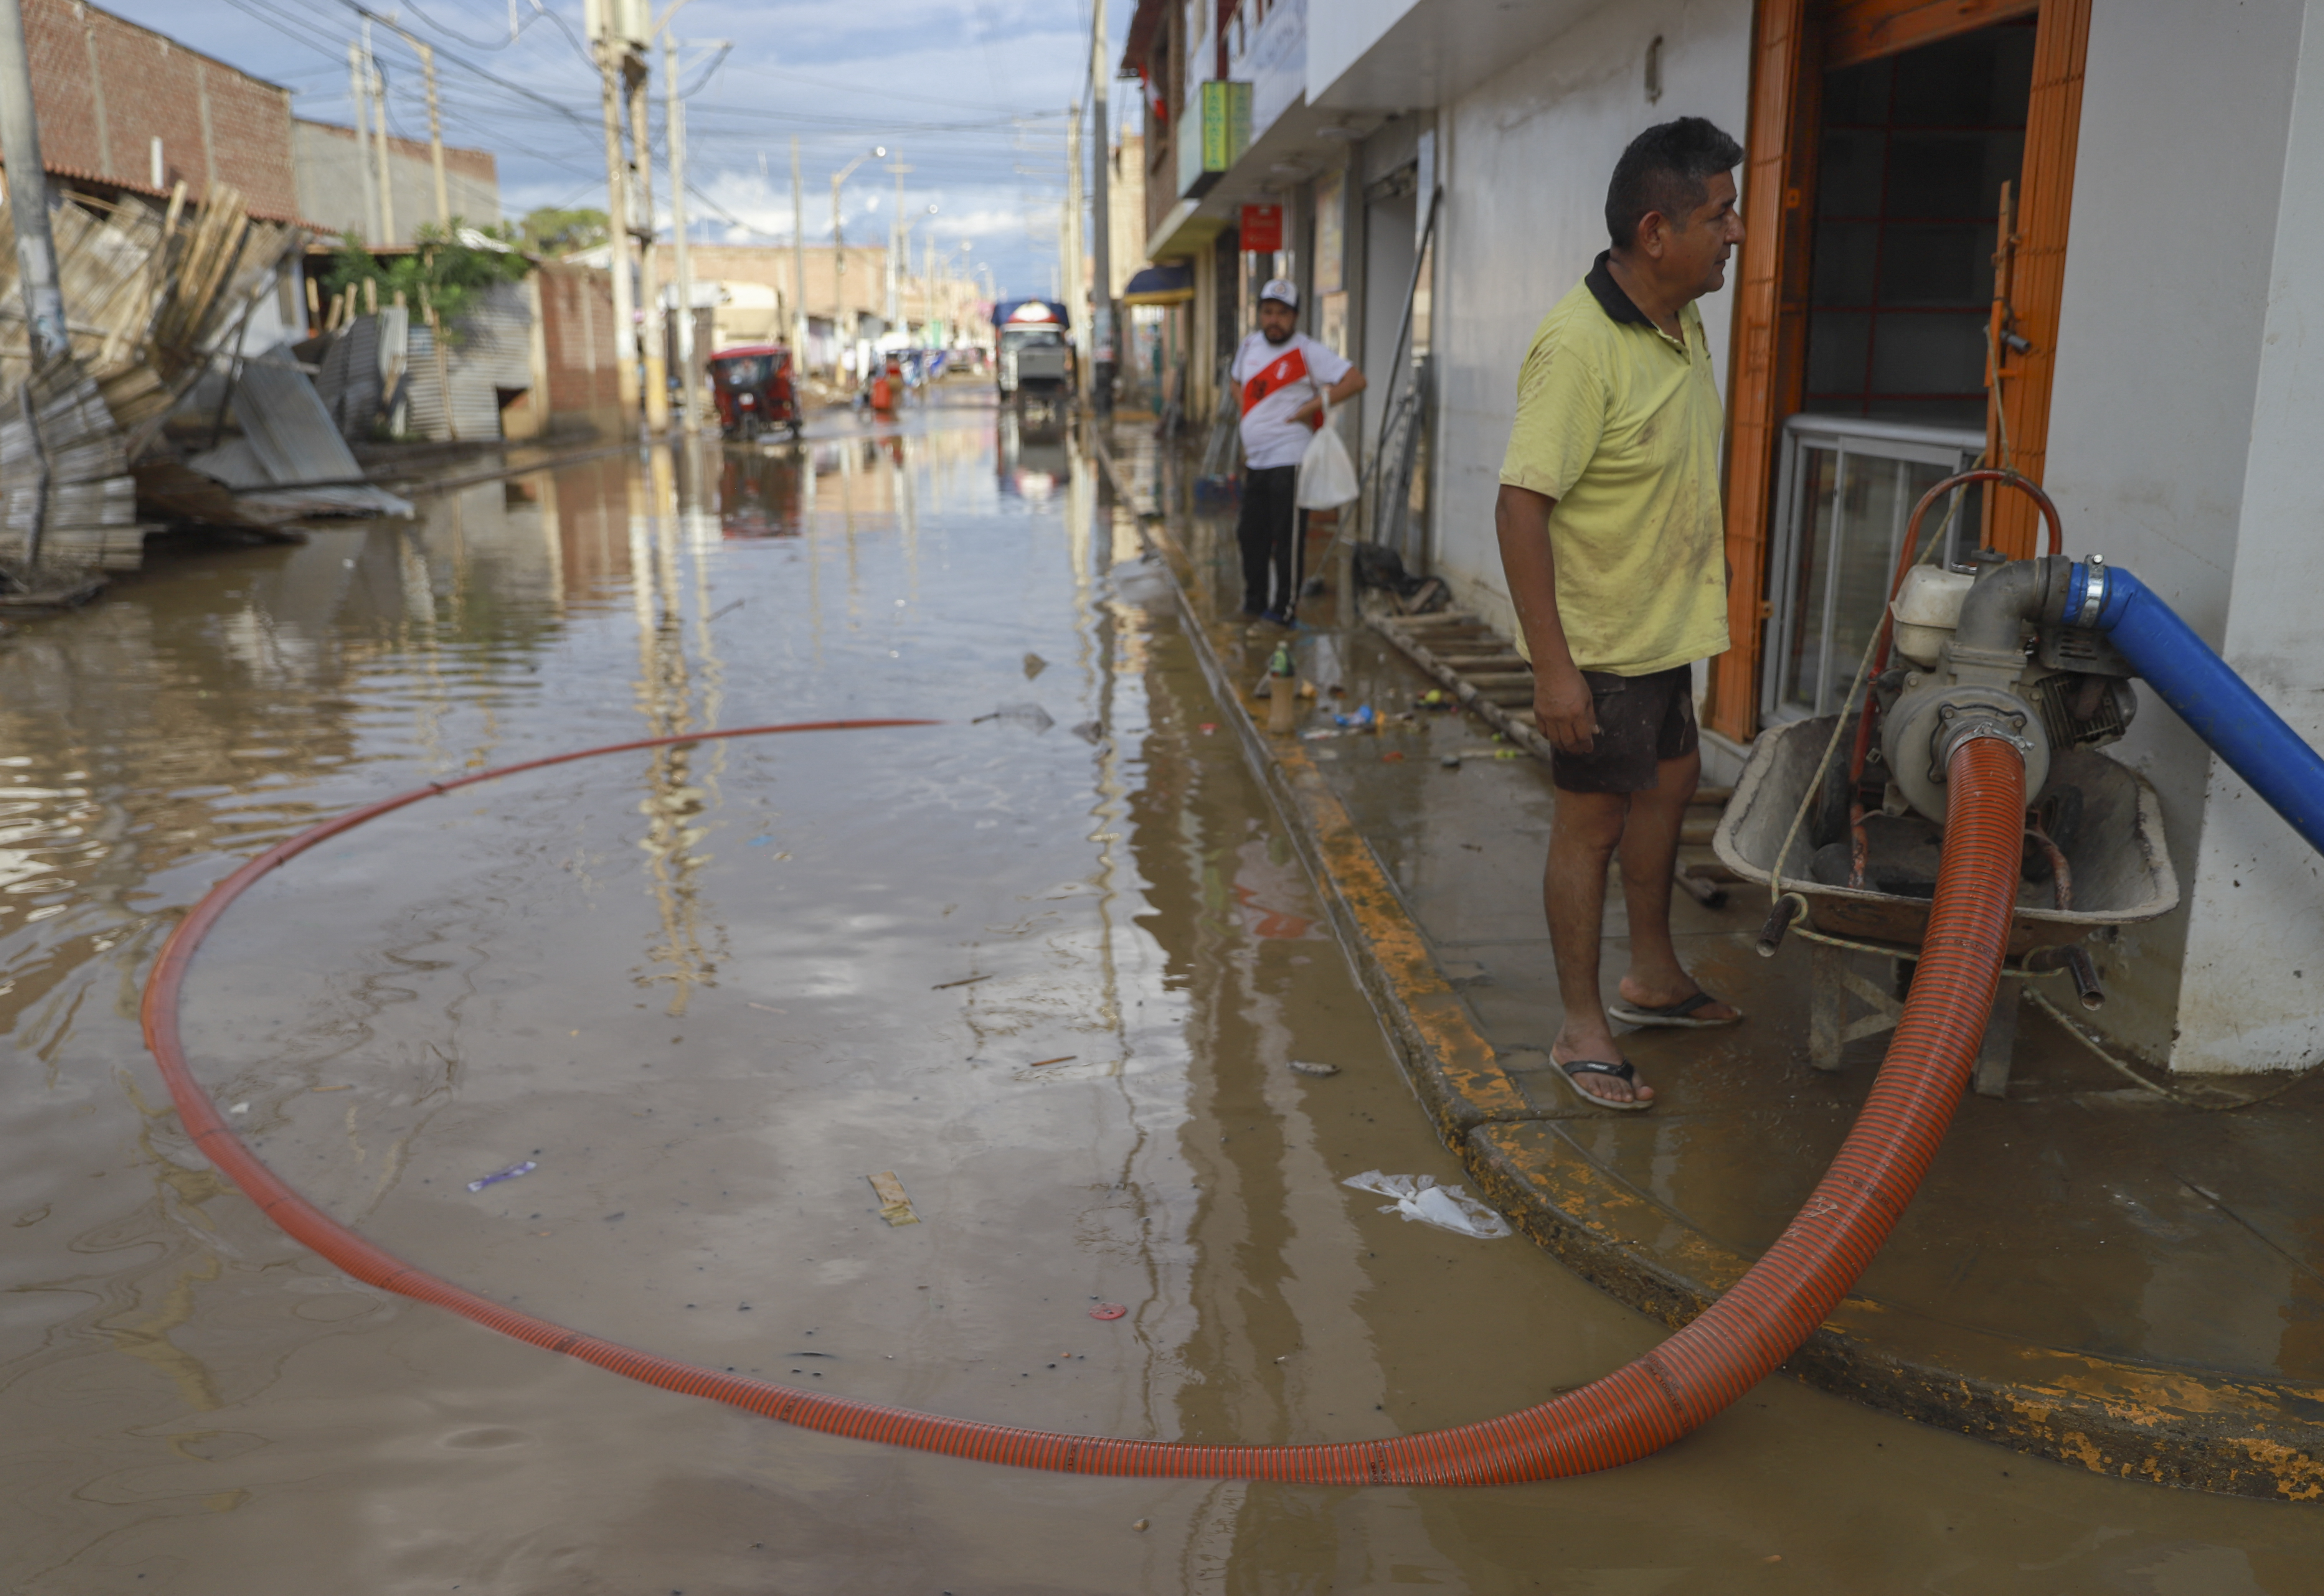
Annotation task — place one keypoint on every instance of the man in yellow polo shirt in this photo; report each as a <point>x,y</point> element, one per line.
<point>1614,548</point>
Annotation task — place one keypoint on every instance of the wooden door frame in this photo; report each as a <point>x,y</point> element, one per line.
<point>1794,42</point>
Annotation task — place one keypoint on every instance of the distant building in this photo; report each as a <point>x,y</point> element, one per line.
<point>748,289</point>
<point>339,173</point>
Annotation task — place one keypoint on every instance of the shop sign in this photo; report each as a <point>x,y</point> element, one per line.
<point>1262,229</point>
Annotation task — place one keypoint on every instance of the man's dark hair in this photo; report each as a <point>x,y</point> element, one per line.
<point>1666,168</point>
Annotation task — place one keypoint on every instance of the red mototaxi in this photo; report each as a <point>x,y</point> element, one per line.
<point>753,383</point>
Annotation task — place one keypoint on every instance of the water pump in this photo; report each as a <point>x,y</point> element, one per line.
<point>1980,650</point>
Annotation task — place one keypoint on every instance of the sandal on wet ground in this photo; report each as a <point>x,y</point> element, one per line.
<point>1622,1071</point>
<point>1680,1015</point>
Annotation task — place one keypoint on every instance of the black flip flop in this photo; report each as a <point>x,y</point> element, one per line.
<point>1679,1016</point>
<point>1622,1071</point>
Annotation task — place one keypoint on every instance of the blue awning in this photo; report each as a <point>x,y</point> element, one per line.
<point>1160,285</point>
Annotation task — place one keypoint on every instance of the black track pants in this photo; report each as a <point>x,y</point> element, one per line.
<point>1269,532</point>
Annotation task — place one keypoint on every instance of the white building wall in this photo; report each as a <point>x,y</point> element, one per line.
<point>2192,265</point>
<point>1526,158</point>
<point>2185,411</point>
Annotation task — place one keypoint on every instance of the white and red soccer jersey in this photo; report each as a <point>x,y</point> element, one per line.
<point>1276,379</point>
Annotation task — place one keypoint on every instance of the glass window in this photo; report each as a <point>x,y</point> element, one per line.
<point>1846,493</point>
<point>742,370</point>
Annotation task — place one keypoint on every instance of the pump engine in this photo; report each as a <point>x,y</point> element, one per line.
<point>1977,654</point>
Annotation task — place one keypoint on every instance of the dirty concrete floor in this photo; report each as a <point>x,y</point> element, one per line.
<point>708,994</point>
<point>2080,1213</point>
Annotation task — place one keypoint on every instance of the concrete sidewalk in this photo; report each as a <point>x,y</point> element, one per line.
<point>2091,1273</point>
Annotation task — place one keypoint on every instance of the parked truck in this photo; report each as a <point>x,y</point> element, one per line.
<point>1036,362</point>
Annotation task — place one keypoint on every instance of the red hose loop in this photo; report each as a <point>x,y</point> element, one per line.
<point>1638,1410</point>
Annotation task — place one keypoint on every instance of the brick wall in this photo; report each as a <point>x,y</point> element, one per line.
<point>576,331</point>
<point>105,89</point>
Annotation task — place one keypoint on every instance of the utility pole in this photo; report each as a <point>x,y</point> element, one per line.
<point>674,118</point>
<point>378,124</point>
<point>839,316</point>
<point>28,182</point>
<point>611,54</point>
<point>360,100</point>
<point>656,324</point>
<point>798,266</point>
<point>895,243</point>
<point>1069,243</point>
<point>436,131</point>
<point>1102,331</point>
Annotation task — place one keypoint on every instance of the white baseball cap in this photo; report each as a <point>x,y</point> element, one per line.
<point>1280,291</point>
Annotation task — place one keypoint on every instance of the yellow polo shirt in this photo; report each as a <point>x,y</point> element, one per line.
<point>1619,422</point>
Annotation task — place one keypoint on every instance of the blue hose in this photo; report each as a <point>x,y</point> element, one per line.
<point>2221,708</point>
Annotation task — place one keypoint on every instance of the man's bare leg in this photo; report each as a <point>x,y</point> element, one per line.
<point>1585,831</point>
<point>1649,853</point>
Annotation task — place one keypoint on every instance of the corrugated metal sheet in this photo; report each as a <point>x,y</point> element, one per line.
<point>286,425</point>
<point>290,454</point>
<point>349,383</point>
<point>490,349</point>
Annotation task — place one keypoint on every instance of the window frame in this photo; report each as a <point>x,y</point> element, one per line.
<point>1909,442</point>
<point>1794,43</point>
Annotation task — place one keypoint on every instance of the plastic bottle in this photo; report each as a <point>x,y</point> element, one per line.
<point>1282,693</point>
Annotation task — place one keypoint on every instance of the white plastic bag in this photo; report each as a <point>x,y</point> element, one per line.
<point>1418,1197</point>
<point>1327,477</point>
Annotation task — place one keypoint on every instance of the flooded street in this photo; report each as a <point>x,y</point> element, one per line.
<point>1047,962</point>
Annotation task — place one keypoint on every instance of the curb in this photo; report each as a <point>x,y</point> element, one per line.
<point>2193,1428</point>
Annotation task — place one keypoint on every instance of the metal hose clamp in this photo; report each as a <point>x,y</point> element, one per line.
<point>2094,589</point>
<point>1965,723</point>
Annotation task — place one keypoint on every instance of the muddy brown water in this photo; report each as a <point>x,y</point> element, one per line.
<point>708,993</point>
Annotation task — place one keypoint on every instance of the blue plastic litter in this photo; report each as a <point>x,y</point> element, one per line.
<point>510,1173</point>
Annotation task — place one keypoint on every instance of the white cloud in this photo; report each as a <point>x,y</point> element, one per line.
<point>936,81</point>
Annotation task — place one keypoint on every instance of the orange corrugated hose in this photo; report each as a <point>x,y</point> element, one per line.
<point>1733,1344</point>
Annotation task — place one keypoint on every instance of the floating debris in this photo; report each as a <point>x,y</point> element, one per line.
<point>895,1207</point>
<point>1108,1310</point>
<point>1033,665</point>
<point>963,981</point>
<point>1301,1066</point>
<point>1061,1058</point>
<point>497,1176</point>
<point>1090,733</point>
<point>1032,715</point>
<point>1418,1197</point>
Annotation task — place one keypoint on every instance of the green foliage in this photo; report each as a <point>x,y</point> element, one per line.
<point>440,278</point>
<point>550,230</point>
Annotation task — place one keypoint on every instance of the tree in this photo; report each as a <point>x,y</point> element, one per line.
<point>447,268</point>
<point>550,230</point>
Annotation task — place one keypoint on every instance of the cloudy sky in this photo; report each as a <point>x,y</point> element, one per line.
<point>971,94</point>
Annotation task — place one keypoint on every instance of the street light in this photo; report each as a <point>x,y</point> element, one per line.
<point>904,257</point>
<point>839,244</point>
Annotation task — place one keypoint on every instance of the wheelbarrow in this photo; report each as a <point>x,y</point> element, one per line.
<point>2108,868</point>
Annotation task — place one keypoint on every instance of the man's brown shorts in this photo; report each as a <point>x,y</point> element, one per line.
<point>1642,720</point>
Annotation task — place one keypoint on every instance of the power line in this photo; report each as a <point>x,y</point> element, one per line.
<point>567,112</point>
<point>473,43</point>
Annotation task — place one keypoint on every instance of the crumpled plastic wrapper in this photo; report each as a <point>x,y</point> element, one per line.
<point>1447,1207</point>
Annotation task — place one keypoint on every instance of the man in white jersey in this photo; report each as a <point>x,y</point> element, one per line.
<point>1284,377</point>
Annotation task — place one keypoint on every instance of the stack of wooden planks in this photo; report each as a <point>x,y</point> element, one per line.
<point>149,293</point>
